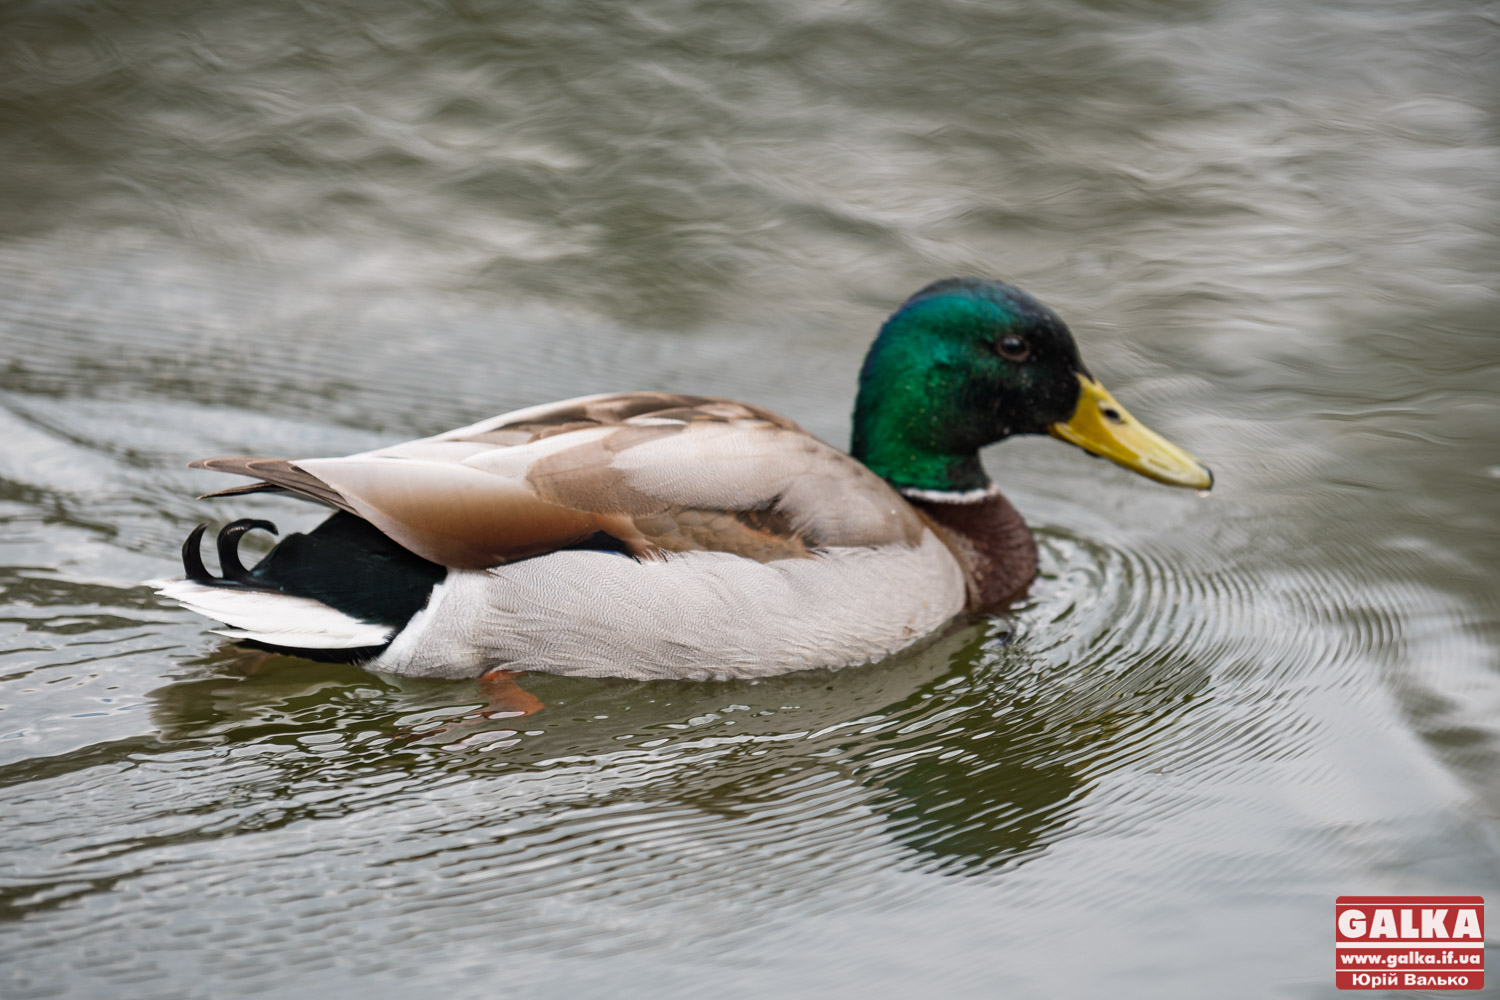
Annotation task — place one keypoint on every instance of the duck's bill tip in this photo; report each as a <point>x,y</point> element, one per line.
<point>1101,426</point>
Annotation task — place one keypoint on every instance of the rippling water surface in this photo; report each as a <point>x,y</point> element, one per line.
<point>289,228</point>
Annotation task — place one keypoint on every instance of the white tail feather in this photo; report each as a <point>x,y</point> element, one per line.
<point>274,618</point>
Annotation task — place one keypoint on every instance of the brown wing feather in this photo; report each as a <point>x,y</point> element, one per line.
<point>660,472</point>
<point>787,491</point>
<point>608,410</point>
<point>760,535</point>
<point>450,513</point>
<point>278,472</point>
<point>235,491</point>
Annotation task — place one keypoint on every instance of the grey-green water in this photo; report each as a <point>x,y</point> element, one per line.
<point>303,228</point>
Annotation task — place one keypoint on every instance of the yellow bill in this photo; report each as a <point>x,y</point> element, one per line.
<point>1101,426</point>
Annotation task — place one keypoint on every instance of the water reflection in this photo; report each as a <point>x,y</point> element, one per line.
<point>967,755</point>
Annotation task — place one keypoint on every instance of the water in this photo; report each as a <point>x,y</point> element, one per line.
<point>307,229</point>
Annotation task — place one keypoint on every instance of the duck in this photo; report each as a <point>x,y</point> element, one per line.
<point>657,536</point>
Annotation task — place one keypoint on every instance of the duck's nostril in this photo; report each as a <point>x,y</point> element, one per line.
<point>1113,415</point>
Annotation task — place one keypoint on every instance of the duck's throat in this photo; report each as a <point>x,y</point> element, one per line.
<point>988,536</point>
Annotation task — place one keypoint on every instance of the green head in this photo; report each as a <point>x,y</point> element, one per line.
<point>967,362</point>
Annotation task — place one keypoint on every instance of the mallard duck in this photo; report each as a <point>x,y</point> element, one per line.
<point>656,535</point>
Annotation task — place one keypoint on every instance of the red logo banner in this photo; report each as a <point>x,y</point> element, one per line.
<point>1409,942</point>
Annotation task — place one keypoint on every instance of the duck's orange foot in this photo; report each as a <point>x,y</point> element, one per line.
<point>504,698</point>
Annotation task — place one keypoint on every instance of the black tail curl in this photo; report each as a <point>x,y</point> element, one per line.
<point>234,572</point>
<point>345,563</point>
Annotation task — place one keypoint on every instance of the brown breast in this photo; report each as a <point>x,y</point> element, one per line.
<point>992,541</point>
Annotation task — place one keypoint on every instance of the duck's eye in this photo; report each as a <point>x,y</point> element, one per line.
<point>1013,348</point>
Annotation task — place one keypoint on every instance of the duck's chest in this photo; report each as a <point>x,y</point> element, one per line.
<point>990,539</point>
